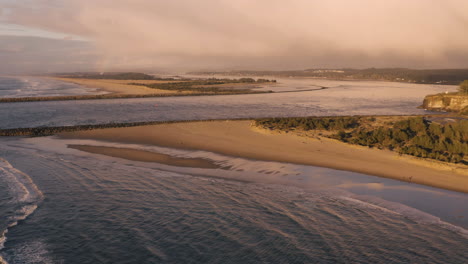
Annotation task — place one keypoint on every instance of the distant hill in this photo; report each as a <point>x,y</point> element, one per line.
<point>434,76</point>
<point>109,76</point>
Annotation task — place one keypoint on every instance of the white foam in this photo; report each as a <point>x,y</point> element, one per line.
<point>367,204</point>
<point>252,171</point>
<point>31,252</point>
<point>27,196</point>
<point>411,213</point>
<point>3,238</point>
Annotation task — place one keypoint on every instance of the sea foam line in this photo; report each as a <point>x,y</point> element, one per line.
<point>403,210</point>
<point>27,197</point>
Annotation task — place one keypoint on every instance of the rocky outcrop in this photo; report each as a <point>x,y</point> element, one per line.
<point>446,102</point>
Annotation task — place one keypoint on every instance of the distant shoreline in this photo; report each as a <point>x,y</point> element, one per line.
<point>121,89</point>
<point>114,96</point>
<point>116,87</point>
<point>403,75</point>
<point>48,131</point>
<point>240,139</point>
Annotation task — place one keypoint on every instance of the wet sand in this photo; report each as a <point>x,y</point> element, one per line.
<point>123,86</point>
<point>146,156</point>
<point>119,86</point>
<point>240,139</point>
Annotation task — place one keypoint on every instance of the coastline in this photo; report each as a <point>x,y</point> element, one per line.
<point>116,86</point>
<point>122,87</point>
<point>146,156</point>
<point>240,139</point>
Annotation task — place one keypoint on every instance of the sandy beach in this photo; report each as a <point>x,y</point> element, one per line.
<point>118,86</point>
<point>146,156</point>
<point>240,139</point>
<point>123,86</point>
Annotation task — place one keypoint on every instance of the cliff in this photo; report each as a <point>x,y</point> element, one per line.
<point>446,102</point>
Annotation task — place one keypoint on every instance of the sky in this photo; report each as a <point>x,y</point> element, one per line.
<point>106,35</point>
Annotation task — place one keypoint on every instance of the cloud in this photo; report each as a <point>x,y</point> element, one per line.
<point>260,34</point>
<point>38,55</point>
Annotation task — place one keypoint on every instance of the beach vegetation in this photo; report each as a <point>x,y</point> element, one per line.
<point>113,76</point>
<point>206,92</point>
<point>213,85</point>
<point>424,76</point>
<point>309,123</point>
<point>415,136</point>
<point>463,89</point>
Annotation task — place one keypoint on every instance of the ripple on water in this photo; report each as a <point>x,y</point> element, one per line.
<point>117,211</point>
<point>22,198</point>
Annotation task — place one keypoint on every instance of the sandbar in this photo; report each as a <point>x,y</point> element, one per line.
<point>241,139</point>
<point>147,156</point>
<point>119,86</point>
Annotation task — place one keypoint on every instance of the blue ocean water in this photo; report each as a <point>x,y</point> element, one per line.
<point>342,98</point>
<point>59,205</point>
<point>96,209</point>
<point>29,86</point>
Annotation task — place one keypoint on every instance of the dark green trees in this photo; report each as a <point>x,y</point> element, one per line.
<point>309,123</point>
<point>417,137</point>
<point>463,89</point>
<point>413,136</point>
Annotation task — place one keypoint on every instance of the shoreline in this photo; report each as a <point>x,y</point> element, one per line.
<point>147,156</point>
<point>332,79</point>
<point>115,96</point>
<point>121,89</point>
<point>240,139</point>
<point>125,87</point>
<point>49,131</point>
<point>115,87</point>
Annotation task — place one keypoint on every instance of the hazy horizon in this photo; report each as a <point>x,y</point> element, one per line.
<point>122,35</point>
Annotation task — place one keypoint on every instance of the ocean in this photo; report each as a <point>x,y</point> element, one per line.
<point>35,87</point>
<point>59,205</point>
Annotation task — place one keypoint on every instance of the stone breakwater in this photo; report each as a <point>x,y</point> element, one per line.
<point>48,131</point>
<point>122,96</point>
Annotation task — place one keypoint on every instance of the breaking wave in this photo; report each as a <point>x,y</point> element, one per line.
<point>373,202</point>
<point>22,202</point>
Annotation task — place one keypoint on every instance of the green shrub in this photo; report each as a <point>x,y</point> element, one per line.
<point>413,136</point>
<point>463,89</point>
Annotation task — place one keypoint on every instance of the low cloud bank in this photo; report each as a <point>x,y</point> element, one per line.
<point>267,34</point>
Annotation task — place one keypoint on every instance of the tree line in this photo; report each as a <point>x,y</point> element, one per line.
<point>309,123</point>
<point>463,89</point>
<point>414,136</point>
<point>112,76</point>
<point>433,76</point>
<point>417,137</point>
<point>205,85</point>
<point>123,96</point>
